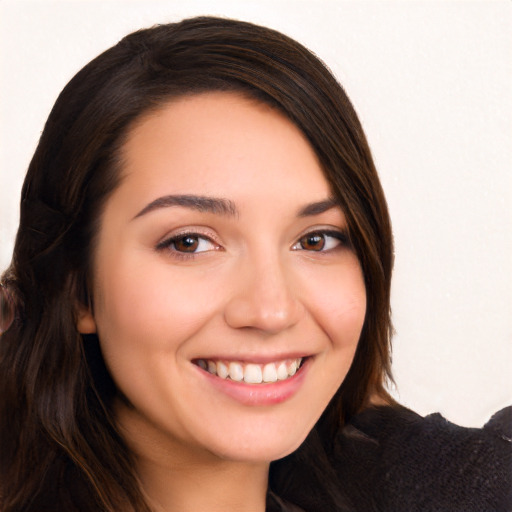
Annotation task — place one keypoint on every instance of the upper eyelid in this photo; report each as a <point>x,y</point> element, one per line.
<point>166,241</point>
<point>206,233</point>
<point>341,233</point>
<point>325,230</point>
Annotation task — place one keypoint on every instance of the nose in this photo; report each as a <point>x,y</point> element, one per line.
<point>263,297</point>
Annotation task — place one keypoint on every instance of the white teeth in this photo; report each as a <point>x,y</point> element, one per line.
<point>292,368</point>
<point>212,367</point>
<point>269,373</point>
<point>222,370</point>
<point>282,371</point>
<point>236,372</point>
<point>252,374</point>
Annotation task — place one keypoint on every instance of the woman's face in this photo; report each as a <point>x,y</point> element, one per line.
<point>222,264</point>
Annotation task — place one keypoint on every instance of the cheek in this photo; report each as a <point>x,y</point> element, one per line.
<point>344,322</point>
<point>150,303</point>
<point>339,306</point>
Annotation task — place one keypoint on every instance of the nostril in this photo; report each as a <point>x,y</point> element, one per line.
<point>265,297</point>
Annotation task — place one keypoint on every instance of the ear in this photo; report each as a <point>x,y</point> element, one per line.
<point>85,322</point>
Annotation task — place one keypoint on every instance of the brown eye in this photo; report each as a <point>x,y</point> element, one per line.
<point>186,243</point>
<point>312,242</point>
<point>322,241</point>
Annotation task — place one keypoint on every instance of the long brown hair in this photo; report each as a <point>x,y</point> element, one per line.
<point>60,449</point>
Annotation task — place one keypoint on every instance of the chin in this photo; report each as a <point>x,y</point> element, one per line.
<point>265,445</point>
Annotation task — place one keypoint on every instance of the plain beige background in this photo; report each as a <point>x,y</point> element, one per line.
<point>432,83</point>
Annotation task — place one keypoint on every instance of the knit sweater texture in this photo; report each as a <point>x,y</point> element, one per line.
<point>390,459</point>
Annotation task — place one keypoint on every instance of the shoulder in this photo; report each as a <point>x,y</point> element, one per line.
<point>407,462</point>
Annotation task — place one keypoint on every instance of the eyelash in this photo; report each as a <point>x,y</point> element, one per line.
<point>340,235</point>
<point>168,244</point>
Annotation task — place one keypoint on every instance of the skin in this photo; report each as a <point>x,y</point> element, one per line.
<point>256,290</point>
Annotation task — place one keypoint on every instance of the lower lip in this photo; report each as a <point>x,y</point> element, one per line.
<point>259,394</point>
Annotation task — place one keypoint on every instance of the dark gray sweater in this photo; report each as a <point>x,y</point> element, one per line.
<point>390,459</point>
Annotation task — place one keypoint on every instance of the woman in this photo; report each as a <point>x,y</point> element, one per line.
<point>201,284</point>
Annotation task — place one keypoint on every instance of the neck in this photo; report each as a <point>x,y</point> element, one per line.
<point>218,487</point>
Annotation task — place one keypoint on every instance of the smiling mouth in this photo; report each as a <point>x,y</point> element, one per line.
<point>251,373</point>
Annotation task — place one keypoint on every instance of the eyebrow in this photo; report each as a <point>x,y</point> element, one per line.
<point>199,203</point>
<point>224,206</point>
<point>318,207</point>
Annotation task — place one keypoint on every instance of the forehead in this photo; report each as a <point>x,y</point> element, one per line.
<point>219,142</point>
